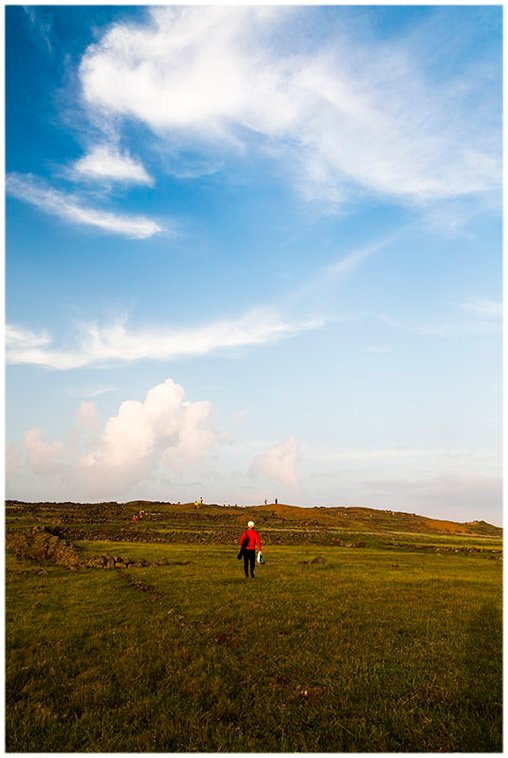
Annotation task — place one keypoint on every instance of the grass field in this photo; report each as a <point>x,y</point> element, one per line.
<point>374,651</point>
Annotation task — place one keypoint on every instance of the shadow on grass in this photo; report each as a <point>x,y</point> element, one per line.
<point>483,685</point>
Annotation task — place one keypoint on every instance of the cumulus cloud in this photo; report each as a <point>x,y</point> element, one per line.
<point>349,115</point>
<point>102,345</point>
<point>88,415</point>
<point>71,209</point>
<point>43,457</point>
<point>163,432</point>
<point>163,426</point>
<point>281,462</point>
<point>104,162</point>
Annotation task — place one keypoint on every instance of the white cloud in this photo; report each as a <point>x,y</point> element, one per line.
<point>161,433</point>
<point>24,339</point>
<point>70,208</point>
<point>281,462</point>
<point>102,345</point>
<point>353,115</point>
<point>164,425</point>
<point>104,162</point>
<point>25,347</point>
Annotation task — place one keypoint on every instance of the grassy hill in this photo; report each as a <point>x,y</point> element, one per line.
<point>358,518</point>
<point>278,524</point>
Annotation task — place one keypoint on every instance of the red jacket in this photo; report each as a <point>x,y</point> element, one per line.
<point>253,539</point>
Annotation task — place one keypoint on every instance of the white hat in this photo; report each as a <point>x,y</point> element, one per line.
<point>250,524</point>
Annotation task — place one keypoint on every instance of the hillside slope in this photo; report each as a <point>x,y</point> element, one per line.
<point>359,519</point>
<point>271,516</point>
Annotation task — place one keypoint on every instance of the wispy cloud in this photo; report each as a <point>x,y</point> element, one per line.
<point>483,319</point>
<point>42,26</point>
<point>484,308</point>
<point>70,208</point>
<point>458,483</point>
<point>446,456</point>
<point>90,392</point>
<point>345,266</point>
<point>17,337</point>
<point>101,345</point>
<point>351,116</point>
<point>104,162</point>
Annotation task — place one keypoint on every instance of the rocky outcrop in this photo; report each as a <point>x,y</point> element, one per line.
<point>45,543</point>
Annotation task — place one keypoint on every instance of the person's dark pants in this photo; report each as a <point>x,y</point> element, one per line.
<point>249,558</point>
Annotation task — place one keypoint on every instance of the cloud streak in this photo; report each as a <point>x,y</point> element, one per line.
<point>43,28</point>
<point>343,268</point>
<point>106,163</point>
<point>350,117</point>
<point>484,308</point>
<point>483,317</point>
<point>116,343</point>
<point>70,208</point>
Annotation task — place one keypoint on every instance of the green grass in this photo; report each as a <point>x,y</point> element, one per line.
<point>374,651</point>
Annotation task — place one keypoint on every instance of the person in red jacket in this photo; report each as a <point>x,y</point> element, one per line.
<point>248,542</point>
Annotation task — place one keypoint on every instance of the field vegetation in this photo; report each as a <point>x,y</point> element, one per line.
<point>385,648</point>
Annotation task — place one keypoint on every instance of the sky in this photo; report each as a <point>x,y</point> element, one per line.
<point>255,253</point>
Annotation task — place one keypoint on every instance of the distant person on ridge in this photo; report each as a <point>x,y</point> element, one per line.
<point>251,539</point>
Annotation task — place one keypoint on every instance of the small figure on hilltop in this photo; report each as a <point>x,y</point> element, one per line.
<point>248,542</point>
<point>201,500</point>
<point>141,514</point>
<point>266,501</point>
<point>134,518</point>
<point>276,501</point>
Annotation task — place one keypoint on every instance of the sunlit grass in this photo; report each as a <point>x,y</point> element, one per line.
<point>371,652</point>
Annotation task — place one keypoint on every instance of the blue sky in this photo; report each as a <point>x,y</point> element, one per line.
<point>255,253</point>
